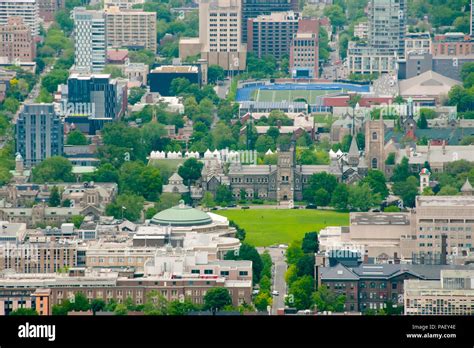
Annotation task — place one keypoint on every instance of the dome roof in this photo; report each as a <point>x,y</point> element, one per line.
<point>181,215</point>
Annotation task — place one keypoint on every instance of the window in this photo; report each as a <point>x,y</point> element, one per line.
<point>195,271</point>
<point>374,136</point>
<point>374,163</point>
<point>243,273</point>
<point>208,271</point>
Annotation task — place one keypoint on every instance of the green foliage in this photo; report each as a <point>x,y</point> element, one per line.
<point>114,71</point>
<point>299,295</point>
<point>54,197</point>
<point>407,190</point>
<point>376,181</point>
<point>390,159</point>
<point>97,305</point>
<point>318,181</point>
<point>56,77</point>
<point>77,220</point>
<point>217,299</point>
<point>76,137</point>
<point>53,169</point>
<point>215,73</point>
<point>136,178</point>
<point>310,243</point>
<point>224,195</point>
<point>250,253</point>
<point>294,253</point>
<point>133,205</point>
<point>135,94</point>
<point>167,200</point>
<point>391,209</point>
<point>361,197</point>
<point>326,300</point>
<point>24,312</point>
<point>401,171</point>
<point>340,197</point>
<point>190,171</point>
<point>448,191</point>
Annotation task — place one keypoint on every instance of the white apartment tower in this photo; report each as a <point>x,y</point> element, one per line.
<point>220,34</point>
<point>25,9</point>
<point>90,40</point>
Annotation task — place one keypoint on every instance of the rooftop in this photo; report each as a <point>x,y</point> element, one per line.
<point>181,215</point>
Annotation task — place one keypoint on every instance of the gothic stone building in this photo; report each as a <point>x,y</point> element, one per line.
<point>282,182</point>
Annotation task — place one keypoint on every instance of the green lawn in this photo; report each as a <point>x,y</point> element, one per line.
<point>267,227</point>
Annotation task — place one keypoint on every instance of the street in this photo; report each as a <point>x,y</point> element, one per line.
<point>278,276</point>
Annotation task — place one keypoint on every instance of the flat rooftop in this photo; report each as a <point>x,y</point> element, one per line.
<point>176,69</point>
<point>380,218</point>
<point>444,201</point>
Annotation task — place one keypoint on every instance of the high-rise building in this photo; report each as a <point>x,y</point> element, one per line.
<point>16,41</point>
<point>48,8</point>
<point>220,24</point>
<point>131,28</point>
<point>90,40</point>
<point>255,8</point>
<point>386,39</point>
<point>26,9</point>
<point>92,100</point>
<point>304,51</point>
<point>39,133</point>
<point>272,34</point>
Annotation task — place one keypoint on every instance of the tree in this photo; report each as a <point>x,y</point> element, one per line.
<point>215,73</point>
<point>54,197</point>
<point>217,298</point>
<point>448,191</point>
<point>340,197</point>
<point>120,309</point>
<point>262,301</point>
<point>322,198</point>
<point>318,181</point>
<point>407,190</point>
<point>135,95</point>
<point>156,304</point>
<point>291,274</point>
<point>135,177</point>
<point>361,197</point>
<point>335,14</point>
<point>326,300</point>
<point>190,171</point>
<point>167,200</point>
<point>264,143</point>
<point>24,311</point>
<point>97,305</point>
<point>53,169</point>
<point>300,291</point>
<point>178,307</point>
<point>376,181</point>
<point>294,253</point>
<point>128,206</point>
<point>76,138</point>
<point>77,220</point>
<point>56,77</point>
<point>305,265</point>
<point>310,243</point>
<point>265,284</point>
<point>250,253</point>
<point>224,195</point>
<point>401,171</point>
<point>81,303</point>
<point>208,200</point>
<point>422,123</point>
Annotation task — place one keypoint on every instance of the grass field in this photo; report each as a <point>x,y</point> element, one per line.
<point>264,95</point>
<point>267,227</point>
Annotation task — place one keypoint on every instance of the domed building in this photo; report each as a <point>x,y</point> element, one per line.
<point>181,216</point>
<point>174,225</point>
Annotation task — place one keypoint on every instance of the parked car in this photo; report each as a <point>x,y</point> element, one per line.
<point>275,293</point>
<point>245,207</point>
<point>311,206</point>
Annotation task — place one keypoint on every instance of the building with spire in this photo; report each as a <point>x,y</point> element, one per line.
<point>466,189</point>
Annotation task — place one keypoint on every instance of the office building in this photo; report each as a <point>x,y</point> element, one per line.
<point>133,29</point>
<point>49,8</point>
<point>220,25</point>
<point>25,9</point>
<point>220,36</point>
<point>453,294</point>
<point>255,8</point>
<point>39,133</point>
<point>96,98</point>
<point>419,43</point>
<point>89,40</point>
<point>161,77</point>
<point>16,41</point>
<point>304,51</point>
<point>271,35</point>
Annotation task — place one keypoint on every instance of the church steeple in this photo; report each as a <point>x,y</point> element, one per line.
<point>353,155</point>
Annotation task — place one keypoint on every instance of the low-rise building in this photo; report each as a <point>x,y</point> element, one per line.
<point>453,294</point>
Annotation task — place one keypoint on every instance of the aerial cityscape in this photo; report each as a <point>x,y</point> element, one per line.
<point>236,157</point>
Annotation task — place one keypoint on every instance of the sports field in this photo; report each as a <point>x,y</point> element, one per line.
<point>265,227</point>
<point>267,95</point>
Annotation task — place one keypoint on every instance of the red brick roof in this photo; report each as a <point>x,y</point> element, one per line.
<point>117,55</point>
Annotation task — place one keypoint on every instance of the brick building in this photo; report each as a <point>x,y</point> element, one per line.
<point>16,41</point>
